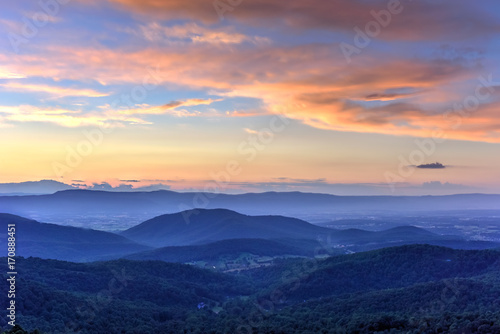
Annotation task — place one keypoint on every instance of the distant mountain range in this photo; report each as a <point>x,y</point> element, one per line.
<point>74,203</point>
<point>33,187</point>
<point>46,187</point>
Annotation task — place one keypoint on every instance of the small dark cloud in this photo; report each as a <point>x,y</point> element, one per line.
<point>172,104</point>
<point>435,165</point>
<point>130,181</point>
<point>378,96</point>
<point>292,180</point>
<point>393,94</point>
<point>78,181</point>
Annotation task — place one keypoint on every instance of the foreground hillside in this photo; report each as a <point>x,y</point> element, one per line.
<point>409,289</point>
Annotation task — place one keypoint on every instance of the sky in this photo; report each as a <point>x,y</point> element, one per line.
<point>346,97</point>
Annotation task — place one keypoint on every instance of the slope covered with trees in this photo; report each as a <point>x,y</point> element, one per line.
<point>409,289</point>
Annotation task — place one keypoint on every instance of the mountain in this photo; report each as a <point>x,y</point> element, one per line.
<point>33,187</point>
<point>153,297</point>
<point>229,249</point>
<point>211,235</point>
<point>139,206</point>
<point>68,243</point>
<point>407,233</point>
<point>409,289</point>
<point>204,226</point>
<point>234,253</point>
<point>410,264</point>
<point>394,236</point>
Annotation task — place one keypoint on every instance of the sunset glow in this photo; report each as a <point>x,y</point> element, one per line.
<point>342,97</point>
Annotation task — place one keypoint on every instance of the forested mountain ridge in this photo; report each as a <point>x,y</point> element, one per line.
<point>409,289</point>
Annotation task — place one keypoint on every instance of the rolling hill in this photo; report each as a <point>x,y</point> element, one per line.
<point>52,241</point>
<point>206,226</point>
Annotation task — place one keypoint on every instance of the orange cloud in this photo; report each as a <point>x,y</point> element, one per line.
<point>310,83</point>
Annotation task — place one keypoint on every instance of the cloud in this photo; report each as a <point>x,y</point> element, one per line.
<point>388,96</point>
<point>250,131</point>
<point>193,33</point>
<point>311,83</point>
<point>419,20</point>
<point>106,116</point>
<point>162,181</point>
<point>450,188</point>
<point>5,73</point>
<point>52,90</point>
<point>104,186</point>
<point>435,165</point>
<point>171,108</point>
<point>301,181</point>
<point>64,117</point>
